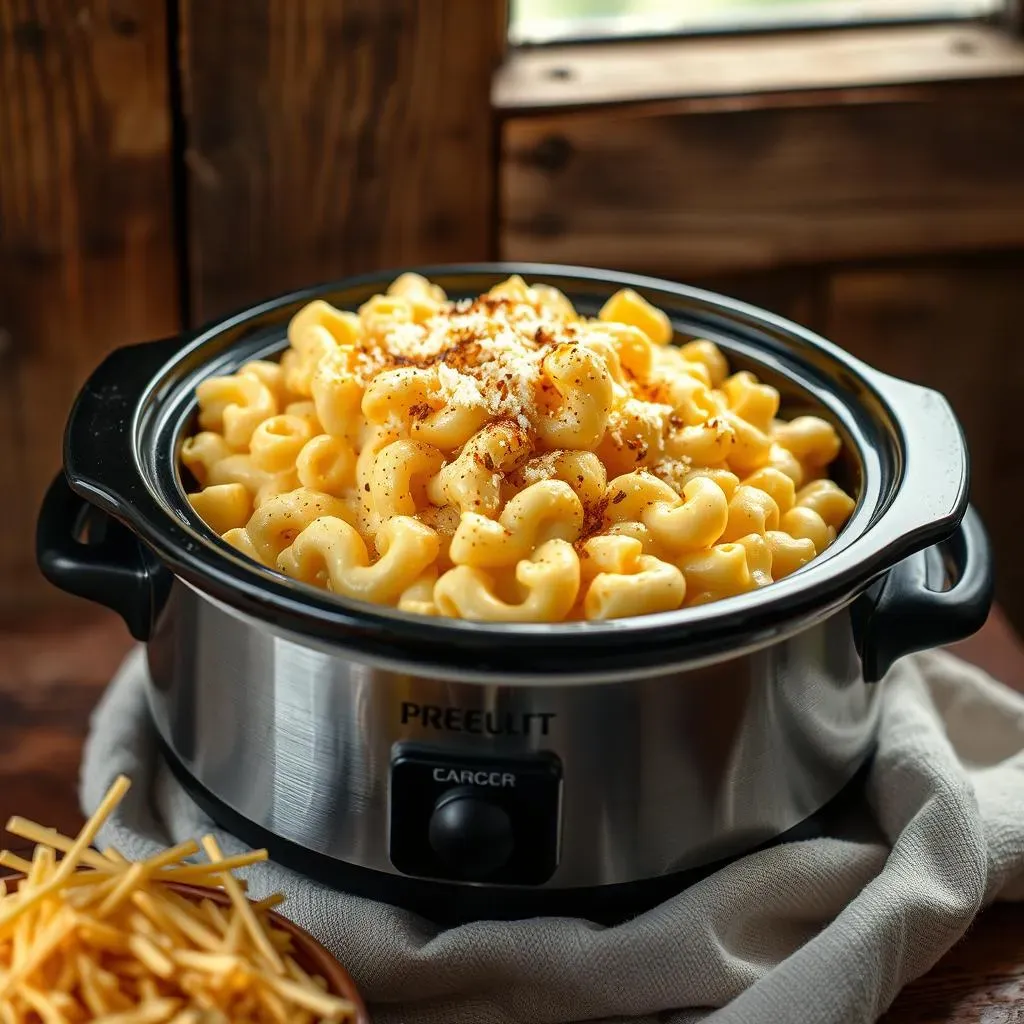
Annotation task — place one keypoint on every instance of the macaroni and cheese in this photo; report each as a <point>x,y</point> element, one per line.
<point>507,459</point>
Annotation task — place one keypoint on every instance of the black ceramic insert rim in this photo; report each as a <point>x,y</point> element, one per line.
<point>121,454</point>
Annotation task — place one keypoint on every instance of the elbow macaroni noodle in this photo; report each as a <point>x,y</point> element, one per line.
<point>506,459</point>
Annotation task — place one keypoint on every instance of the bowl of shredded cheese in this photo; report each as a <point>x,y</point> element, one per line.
<point>87,935</point>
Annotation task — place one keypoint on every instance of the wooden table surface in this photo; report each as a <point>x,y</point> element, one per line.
<point>52,672</point>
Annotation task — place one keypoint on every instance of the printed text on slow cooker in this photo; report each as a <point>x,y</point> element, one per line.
<point>476,721</point>
<point>468,777</point>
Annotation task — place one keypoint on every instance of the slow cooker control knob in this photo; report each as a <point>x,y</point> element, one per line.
<point>472,835</point>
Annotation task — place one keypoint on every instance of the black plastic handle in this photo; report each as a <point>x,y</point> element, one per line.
<point>933,493</point>
<point>99,456</point>
<point>934,597</point>
<point>114,568</point>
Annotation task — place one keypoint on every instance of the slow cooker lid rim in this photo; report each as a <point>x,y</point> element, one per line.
<point>640,641</point>
<point>519,665</point>
<point>251,591</point>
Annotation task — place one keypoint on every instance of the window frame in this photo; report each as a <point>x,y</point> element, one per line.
<point>753,70</point>
<point>708,19</point>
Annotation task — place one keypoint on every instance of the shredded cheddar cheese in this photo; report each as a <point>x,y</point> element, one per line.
<point>91,936</point>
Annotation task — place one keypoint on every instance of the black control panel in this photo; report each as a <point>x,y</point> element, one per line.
<point>475,819</point>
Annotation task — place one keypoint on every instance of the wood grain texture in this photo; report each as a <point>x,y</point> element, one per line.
<point>1013,17</point>
<point>339,137</point>
<point>799,294</point>
<point>956,329</point>
<point>748,66</point>
<point>86,237</point>
<point>654,188</point>
<point>52,671</point>
<point>980,981</point>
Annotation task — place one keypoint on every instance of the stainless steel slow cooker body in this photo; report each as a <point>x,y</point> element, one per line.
<point>468,769</point>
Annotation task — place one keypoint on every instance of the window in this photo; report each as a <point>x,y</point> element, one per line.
<point>549,21</point>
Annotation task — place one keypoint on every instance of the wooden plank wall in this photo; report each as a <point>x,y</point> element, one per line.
<point>340,137</point>
<point>898,172</point>
<point>286,143</point>
<point>86,231</point>
<point>891,220</point>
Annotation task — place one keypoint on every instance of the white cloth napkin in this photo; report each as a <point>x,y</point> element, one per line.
<point>824,930</point>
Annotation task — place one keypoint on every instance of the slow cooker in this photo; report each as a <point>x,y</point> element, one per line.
<point>469,769</point>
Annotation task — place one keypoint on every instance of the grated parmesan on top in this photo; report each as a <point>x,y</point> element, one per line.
<point>487,354</point>
<point>543,467</point>
<point>460,389</point>
<point>672,472</point>
<point>653,415</point>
